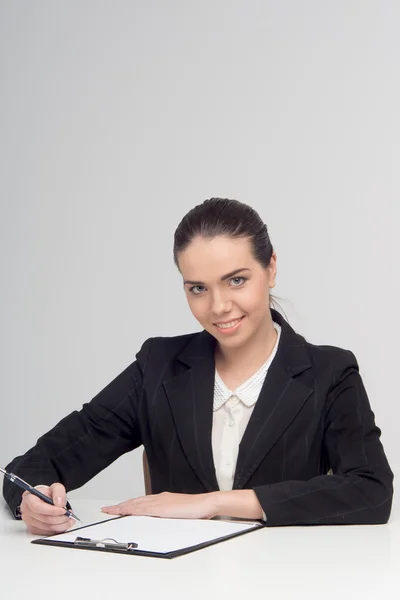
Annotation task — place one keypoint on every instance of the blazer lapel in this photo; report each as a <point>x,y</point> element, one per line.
<point>280,400</point>
<point>191,396</point>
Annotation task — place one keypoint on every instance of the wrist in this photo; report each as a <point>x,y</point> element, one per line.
<point>236,503</point>
<point>214,500</point>
<point>225,503</point>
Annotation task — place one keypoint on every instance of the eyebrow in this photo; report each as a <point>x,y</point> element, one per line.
<point>227,276</point>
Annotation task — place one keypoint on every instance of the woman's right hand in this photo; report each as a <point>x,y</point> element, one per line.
<point>42,518</point>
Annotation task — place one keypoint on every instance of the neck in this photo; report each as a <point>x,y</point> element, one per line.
<point>254,352</point>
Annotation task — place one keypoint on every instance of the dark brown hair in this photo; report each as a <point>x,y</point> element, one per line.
<point>222,216</point>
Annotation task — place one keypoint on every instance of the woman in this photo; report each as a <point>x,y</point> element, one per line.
<point>245,418</point>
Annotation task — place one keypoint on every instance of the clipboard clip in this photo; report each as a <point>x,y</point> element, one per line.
<point>104,543</point>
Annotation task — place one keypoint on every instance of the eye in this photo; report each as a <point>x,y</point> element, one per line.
<point>243,279</point>
<point>191,290</point>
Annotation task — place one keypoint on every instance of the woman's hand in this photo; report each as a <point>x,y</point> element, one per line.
<point>44,519</point>
<point>168,505</point>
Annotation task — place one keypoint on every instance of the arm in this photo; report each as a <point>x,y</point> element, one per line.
<point>360,491</point>
<point>86,441</point>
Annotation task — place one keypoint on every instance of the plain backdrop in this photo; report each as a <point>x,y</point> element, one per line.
<point>117,117</point>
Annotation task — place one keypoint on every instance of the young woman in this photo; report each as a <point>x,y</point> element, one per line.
<point>245,418</point>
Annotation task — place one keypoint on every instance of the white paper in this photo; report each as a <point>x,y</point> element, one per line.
<point>154,534</point>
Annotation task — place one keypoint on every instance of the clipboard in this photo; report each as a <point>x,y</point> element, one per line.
<point>151,536</point>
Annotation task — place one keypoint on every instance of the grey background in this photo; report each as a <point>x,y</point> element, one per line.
<point>118,117</point>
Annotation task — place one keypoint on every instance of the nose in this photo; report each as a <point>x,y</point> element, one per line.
<point>220,304</point>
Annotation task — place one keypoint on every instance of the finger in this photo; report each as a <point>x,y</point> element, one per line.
<point>128,502</point>
<point>113,506</point>
<point>119,509</point>
<point>112,510</point>
<point>39,506</point>
<point>50,525</point>
<point>142,508</point>
<point>131,510</point>
<point>142,505</point>
<point>49,528</point>
<point>122,511</point>
<point>45,519</point>
<point>43,530</point>
<point>58,494</point>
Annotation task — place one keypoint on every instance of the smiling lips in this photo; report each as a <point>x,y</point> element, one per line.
<point>230,325</point>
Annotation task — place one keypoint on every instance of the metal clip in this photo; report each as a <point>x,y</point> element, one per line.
<point>104,543</point>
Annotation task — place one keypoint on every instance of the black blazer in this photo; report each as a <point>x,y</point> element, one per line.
<point>312,414</point>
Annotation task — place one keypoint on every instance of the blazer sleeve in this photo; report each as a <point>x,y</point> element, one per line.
<point>86,441</point>
<point>360,490</point>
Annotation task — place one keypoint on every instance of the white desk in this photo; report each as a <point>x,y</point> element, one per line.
<point>318,563</point>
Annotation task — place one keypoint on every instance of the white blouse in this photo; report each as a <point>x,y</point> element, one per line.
<point>232,411</point>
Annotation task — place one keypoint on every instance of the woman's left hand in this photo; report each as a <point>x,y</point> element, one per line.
<point>168,505</point>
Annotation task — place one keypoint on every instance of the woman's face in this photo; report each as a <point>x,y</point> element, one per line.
<point>223,282</point>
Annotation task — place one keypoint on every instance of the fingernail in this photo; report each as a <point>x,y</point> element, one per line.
<point>59,500</point>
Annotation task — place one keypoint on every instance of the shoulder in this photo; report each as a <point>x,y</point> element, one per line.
<point>161,347</point>
<point>333,355</point>
<point>321,359</point>
<point>168,343</point>
<point>332,362</point>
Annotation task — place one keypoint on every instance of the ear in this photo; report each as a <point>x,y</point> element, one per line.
<point>272,271</point>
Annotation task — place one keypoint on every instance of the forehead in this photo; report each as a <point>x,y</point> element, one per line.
<point>214,257</point>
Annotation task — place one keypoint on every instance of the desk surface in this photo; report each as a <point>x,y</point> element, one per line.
<point>320,562</point>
